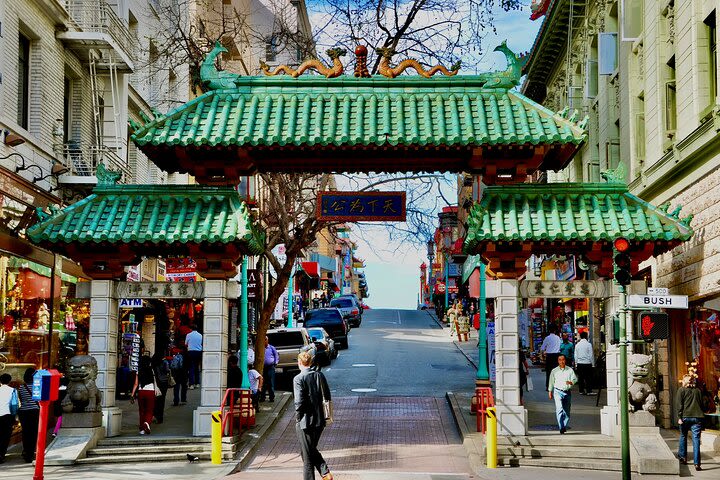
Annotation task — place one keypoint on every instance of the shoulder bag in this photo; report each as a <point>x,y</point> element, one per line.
<point>326,402</point>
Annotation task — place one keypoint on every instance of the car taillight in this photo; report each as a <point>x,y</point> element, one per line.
<point>355,311</point>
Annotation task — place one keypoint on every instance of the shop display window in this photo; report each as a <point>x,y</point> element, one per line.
<point>705,332</point>
<point>25,302</point>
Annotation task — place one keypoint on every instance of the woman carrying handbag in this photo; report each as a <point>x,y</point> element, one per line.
<point>145,388</point>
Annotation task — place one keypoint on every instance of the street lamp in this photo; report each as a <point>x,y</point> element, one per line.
<point>448,223</point>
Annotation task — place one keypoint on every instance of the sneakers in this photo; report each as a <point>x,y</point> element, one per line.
<point>698,468</point>
<point>327,476</point>
<point>191,387</point>
<point>142,432</point>
<point>146,427</point>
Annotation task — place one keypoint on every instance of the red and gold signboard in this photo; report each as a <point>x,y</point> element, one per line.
<point>361,206</point>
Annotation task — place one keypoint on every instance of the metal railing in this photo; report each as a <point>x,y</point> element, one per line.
<point>82,160</point>
<point>237,411</point>
<point>98,16</point>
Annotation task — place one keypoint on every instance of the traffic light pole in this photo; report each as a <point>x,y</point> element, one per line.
<point>624,407</point>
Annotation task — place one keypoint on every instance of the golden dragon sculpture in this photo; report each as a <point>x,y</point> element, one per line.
<point>385,69</point>
<point>330,72</point>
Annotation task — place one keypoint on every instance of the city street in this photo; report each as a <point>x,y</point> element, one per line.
<point>390,411</point>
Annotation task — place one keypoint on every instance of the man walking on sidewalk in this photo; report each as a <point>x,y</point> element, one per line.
<point>584,360</point>
<point>193,342</point>
<point>309,389</point>
<point>562,378</point>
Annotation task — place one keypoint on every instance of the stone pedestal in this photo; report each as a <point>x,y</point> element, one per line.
<point>72,444</point>
<point>641,419</point>
<point>82,420</point>
<point>610,414</point>
<point>214,358</point>
<point>512,417</point>
<point>112,421</point>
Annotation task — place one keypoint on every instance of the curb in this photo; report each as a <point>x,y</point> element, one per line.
<point>472,441</point>
<point>248,450</point>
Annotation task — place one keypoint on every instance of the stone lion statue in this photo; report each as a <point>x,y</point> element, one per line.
<point>82,393</point>
<point>641,393</point>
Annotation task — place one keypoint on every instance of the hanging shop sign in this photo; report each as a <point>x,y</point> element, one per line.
<point>361,206</point>
<point>560,289</point>
<point>134,290</point>
<point>130,303</point>
<point>180,269</point>
<point>254,286</point>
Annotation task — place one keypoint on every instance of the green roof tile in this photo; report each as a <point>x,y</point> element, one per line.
<point>312,110</point>
<point>567,212</point>
<point>157,214</point>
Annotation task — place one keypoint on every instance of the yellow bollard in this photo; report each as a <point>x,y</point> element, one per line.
<point>491,438</point>
<point>216,437</point>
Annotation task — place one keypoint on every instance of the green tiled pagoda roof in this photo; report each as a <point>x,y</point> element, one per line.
<point>347,111</point>
<point>152,214</point>
<point>570,212</point>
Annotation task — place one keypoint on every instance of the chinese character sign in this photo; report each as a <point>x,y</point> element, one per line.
<point>361,206</point>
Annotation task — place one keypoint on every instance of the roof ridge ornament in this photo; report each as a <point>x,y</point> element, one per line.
<point>333,71</point>
<point>361,70</point>
<point>213,78</point>
<point>386,70</point>
<point>616,176</point>
<point>106,177</point>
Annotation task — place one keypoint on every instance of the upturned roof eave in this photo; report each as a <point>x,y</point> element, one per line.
<point>556,11</point>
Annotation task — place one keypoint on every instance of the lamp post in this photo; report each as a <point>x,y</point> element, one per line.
<point>431,258</point>
<point>448,223</point>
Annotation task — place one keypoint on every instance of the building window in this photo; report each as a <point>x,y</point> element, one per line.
<point>712,55</point>
<point>608,52</point>
<point>271,49</point>
<point>23,97</point>
<point>670,99</point>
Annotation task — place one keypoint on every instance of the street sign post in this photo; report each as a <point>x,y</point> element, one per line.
<point>658,301</point>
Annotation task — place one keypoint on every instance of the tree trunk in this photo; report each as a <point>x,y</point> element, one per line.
<point>273,296</point>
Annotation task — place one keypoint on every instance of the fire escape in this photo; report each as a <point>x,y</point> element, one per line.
<point>102,40</point>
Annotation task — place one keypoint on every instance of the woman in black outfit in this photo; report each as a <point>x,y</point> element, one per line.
<point>29,414</point>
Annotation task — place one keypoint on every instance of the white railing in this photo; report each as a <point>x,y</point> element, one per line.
<point>97,16</point>
<point>82,160</point>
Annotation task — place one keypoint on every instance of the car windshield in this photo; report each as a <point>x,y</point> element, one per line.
<point>285,339</point>
<point>316,318</point>
<point>316,333</point>
<point>341,303</point>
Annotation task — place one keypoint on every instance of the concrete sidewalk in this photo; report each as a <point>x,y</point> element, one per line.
<point>266,417</point>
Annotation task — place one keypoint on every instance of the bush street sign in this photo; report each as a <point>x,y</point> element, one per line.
<point>361,206</point>
<point>658,301</point>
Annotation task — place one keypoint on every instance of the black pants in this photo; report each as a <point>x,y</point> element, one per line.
<point>268,383</point>
<point>584,373</point>
<point>551,361</point>
<point>6,426</point>
<point>29,420</point>
<point>181,386</point>
<point>312,458</point>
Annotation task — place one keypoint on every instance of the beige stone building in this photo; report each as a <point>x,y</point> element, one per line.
<point>645,72</point>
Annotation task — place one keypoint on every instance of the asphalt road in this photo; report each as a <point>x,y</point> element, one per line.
<point>399,353</point>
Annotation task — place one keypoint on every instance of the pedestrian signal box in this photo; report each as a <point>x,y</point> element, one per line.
<point>654,326</point>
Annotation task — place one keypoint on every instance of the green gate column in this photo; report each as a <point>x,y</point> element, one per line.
<point>244,323</point>
<point>482,371</point>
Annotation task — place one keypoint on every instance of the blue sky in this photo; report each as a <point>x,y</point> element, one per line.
<point>392,269</point>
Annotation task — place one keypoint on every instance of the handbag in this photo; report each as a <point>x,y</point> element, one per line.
<point>158,392</point>
<point>326,402</point>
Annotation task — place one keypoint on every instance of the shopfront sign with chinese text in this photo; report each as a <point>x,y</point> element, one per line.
<point>361,206</point>
<point>129,290</point>
<point>560,289</point>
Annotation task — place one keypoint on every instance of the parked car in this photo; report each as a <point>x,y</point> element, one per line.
<point>289,342</point>
<point>319,335</point>
<point>332,321</point>
<point>349,308</point>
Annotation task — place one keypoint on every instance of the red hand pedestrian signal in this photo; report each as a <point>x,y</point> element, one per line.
<point>654,326</point>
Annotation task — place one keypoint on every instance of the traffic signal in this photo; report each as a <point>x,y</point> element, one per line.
<point>621,261</point>
<point>654,326</point>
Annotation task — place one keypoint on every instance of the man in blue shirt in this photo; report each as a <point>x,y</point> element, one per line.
<point>562,379</point>
<point>272,358</point>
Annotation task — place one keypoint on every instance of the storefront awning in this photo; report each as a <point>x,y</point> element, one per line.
<point>472,262</point>
<point>311,268</point>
